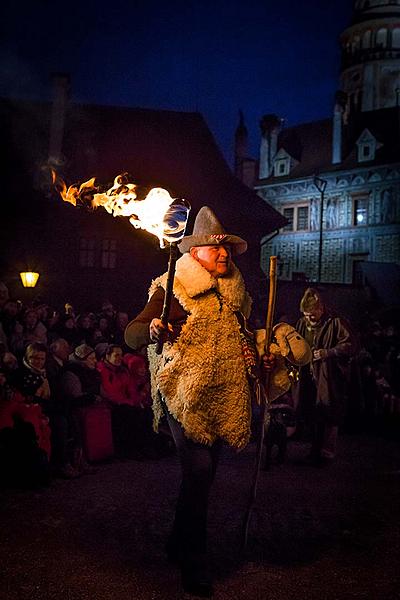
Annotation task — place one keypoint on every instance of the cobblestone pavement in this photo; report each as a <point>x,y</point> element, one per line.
<point>325,534</point>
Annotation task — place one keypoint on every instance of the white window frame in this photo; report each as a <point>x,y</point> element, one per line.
<point>282,162</point>
<point>296,217</point>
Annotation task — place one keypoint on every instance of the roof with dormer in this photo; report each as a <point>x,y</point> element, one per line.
<point>311,143</point>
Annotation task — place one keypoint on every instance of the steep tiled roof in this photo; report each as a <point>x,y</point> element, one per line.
<point>168,149</point>
<point>311,143</point>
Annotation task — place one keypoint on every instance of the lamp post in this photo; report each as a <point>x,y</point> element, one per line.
<point>29,279</point>
<point>320,184</point>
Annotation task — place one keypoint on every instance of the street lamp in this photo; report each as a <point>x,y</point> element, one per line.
<point>29,279</point>
<point>320,184</point>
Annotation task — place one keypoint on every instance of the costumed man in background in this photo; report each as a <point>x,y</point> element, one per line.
<point>200,380</point>
<point>321,392</point>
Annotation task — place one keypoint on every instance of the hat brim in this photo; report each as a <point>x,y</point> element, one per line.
<point>239,246</point>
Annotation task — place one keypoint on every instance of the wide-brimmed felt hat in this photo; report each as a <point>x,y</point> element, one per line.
<point>208,231</point>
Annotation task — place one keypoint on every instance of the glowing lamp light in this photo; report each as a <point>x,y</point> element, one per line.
<point>360,218</point>
<point>29,279</point>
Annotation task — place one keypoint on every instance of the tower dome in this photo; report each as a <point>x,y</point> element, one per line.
<point>370,73</point>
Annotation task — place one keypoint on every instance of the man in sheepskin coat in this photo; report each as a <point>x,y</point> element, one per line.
<point>200,380</point>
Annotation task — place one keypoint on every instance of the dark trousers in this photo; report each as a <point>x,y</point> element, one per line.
<point>198,465</point>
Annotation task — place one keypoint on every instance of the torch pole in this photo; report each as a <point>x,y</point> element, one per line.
<point>263,393</point>
<point>173,255</point>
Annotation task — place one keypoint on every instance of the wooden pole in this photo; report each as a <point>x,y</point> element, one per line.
<point>263,394</point>
<point>173,255</point>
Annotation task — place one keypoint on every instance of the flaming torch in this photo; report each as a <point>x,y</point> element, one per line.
<point>158,213</point>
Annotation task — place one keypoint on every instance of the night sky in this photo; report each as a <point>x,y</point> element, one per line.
<point>208,56</point>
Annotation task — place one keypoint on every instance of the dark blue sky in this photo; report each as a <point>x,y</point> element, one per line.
<point>210,56</point>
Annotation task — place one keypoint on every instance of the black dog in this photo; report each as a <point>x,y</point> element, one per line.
<point>281,417</point>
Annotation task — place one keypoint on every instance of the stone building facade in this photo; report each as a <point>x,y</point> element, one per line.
<point>337,181</point>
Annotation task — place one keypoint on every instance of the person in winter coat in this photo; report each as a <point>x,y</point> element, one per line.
<point>124,401</point>
<point>80,386</point>
<point>199,380</point>
<point>322,387</point>
<point>24,413</point>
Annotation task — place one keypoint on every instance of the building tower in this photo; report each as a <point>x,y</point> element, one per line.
<point>370,73</point>
<point>337,180</point>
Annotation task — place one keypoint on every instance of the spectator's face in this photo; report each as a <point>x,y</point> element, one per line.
<point>85,323</point>
<point>108,309</point>
<point>103,324</point>
<point>37,359</point>
<point>70,323</point>
<point>11,308</point>
<point>97,334</point>
<point>215,259</point>
<point>10,361</point>
<point>90,361</point>
<point>115,357</point>
<point>141,371</point>
<point>31,319</point>
<point>122,320</point>
<point>63,350</point>
<point>314,315</point>
<point>42,312</point>
<point>3,293</point>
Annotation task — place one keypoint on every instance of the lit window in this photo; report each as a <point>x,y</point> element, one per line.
<point>288,213</point>
<point>86,252</point>
<point>361,211</point>
<point>109,254</point>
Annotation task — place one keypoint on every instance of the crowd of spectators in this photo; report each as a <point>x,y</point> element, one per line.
<point>379,364</point>
<point>54,364</point>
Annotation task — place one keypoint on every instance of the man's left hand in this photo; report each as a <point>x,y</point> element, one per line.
<point>268,362</point>
<point>320,354</point>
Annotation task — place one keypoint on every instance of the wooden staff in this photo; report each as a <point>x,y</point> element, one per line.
<point>263,393</point>
<point>173,255</point>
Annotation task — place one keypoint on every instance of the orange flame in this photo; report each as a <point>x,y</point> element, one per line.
<point>121,200</point>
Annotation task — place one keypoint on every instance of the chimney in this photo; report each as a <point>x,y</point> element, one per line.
<point>241,142</point>
<point>270,127</point>
<point>61,86</point>
<point>337,127</point>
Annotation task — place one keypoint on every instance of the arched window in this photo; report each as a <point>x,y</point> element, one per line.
<point>381,38</point>
<point>366,39</point>
<point>396,37</point>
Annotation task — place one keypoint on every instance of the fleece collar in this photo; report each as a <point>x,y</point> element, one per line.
<point>197,280</point>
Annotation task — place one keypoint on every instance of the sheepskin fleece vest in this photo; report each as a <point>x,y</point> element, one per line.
<point>202,374</point>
